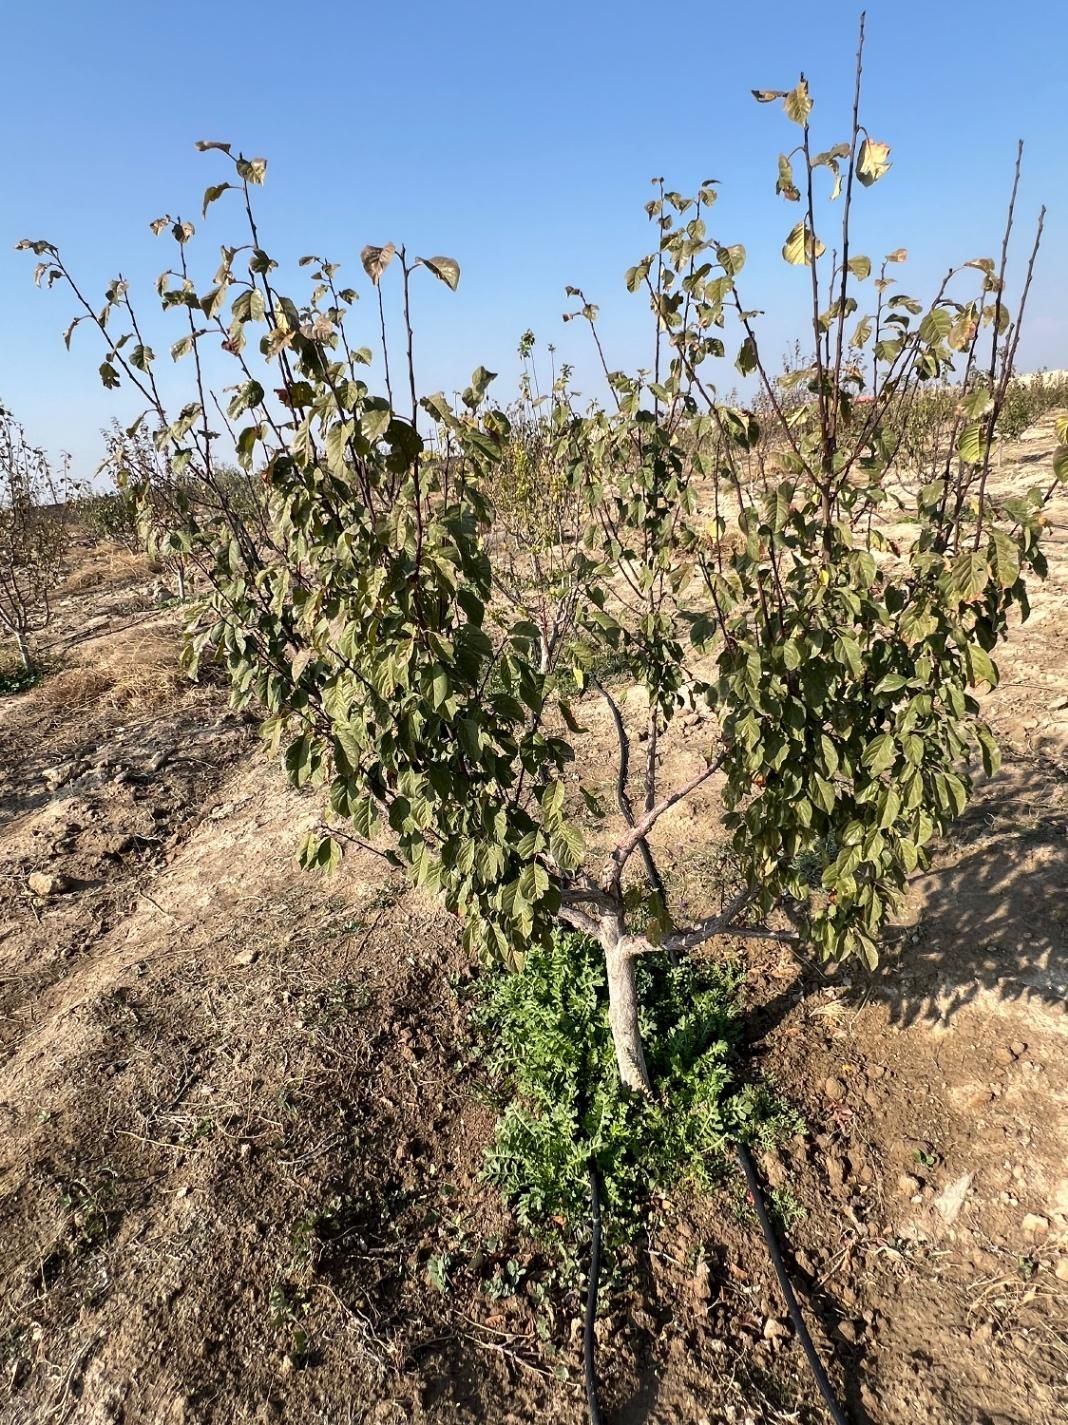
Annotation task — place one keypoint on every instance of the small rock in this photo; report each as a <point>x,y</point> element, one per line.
<point>835,1089</point>
<point>775,1170</point>
<point>909,1184</point>
<point>849,1332</point>
<point>56,776</point>
<point>1035,1225</point>
<point>808,1266</point>
<point>775,1330</point>
<point>48,883</point>
<point>1003,1055</point>
<point>837,1169</point>
<point>247,957</point>
<point>950,1200</point>
<point>1060,1271</point>
<point>982,1334</point>
<point>1017,1048</point>
<point>701,1286</point>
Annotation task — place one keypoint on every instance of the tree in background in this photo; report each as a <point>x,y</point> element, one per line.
<point>32,537</point>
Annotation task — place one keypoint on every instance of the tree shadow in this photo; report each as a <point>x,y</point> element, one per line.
<point>990,917</point>
<point>993,916</point>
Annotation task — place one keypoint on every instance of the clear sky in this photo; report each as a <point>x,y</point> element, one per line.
<point>519,139</point>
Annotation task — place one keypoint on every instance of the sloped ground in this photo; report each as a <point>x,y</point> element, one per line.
<point>242,1133</point>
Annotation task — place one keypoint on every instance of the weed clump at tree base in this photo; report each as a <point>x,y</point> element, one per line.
<point>564,1105</point>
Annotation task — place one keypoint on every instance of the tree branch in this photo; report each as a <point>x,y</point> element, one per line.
<point>641,828</point>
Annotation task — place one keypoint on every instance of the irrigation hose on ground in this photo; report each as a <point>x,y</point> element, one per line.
<point>591,1296</point>
<point>771,1241</point>
<point>816,1365</point>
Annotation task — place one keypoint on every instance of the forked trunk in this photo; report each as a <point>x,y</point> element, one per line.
<point>623,1018</point>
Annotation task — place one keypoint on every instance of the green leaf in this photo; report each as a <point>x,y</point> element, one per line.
<point>957,791</point>
<point>732,259</point>
<point>970,443</point>
<point>248,306</point>
<point>967,576</point>
<point>879,754</point>
<point>981,667</point>
<point>785,183</point>
<point>567,847</point>
<point>935,325</point>
<point>552,802</point>
<point>847,652</point>
<point>569,717</point>
<point>480,380</point>
<point>822,793</point>
<point>1060,464</point>
<point>747,356</point>
<point>212,194</point>
<point>890,808</point>
<point>1004,559</point>
<point>446,269</point>
<point>328,857</point>
<point>991,752</point>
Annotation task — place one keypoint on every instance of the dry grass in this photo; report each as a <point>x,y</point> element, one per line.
<point>132,672</point>
<point>104,566</point>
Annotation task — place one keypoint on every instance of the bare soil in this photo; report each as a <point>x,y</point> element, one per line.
<point>243,1125</point>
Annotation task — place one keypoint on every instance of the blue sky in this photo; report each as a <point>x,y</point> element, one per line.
<point>519,139</point>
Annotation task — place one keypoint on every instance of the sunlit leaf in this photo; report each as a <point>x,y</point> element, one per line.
<point>801,246</point>
<point>376,259</point>
<point>446,269</point>
<point>872,163</point>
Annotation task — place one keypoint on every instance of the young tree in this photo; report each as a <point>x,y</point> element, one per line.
<point>32,537</point>
<point>386,602</point>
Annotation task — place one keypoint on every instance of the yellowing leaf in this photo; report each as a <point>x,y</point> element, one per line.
<point>446,269</point>
<point>798,103</point>
<point>872,161</point>
<point>376,259</point>
<point>801,246</point>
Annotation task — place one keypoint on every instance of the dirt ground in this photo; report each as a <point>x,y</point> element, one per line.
<point>241,1127</point>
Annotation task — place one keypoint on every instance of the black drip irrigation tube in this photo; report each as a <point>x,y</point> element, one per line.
<point>774,1252</point>
<point>771,1241</point>
<point>591,1296</point>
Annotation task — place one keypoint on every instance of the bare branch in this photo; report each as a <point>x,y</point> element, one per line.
<point>640,829</point>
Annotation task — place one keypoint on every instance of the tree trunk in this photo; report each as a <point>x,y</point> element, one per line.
<point>623,1017</point>
<point>181,580</point>
<point>24,651</point>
